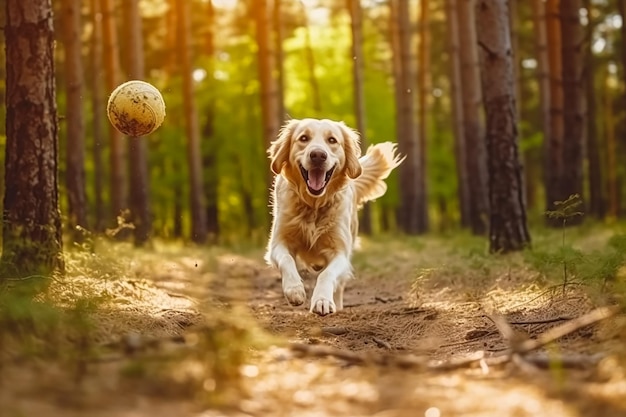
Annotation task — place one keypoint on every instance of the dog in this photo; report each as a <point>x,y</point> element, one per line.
<point>321,181</point>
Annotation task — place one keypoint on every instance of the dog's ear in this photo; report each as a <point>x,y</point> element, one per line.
<point>352,149</point>
<point>279,149</point>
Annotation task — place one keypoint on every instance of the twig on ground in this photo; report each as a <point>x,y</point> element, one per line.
<point>543,321</point>
<point>518,351</point>
<point>381,343</point>
<point>335,331</point>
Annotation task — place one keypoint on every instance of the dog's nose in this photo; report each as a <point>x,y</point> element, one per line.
<point>318,156</point>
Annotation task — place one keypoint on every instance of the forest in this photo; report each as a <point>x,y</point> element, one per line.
<point>491,275</point>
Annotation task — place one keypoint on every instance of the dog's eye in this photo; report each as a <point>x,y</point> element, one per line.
<point>332,140</point>
<point>303,138</point>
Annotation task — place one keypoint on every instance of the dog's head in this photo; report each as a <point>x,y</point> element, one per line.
<point>316,153</point>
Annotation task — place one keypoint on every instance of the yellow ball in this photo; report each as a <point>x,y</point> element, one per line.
<point>136,108</point>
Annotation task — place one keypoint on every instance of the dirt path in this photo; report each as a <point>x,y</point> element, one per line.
<point>423,300</point>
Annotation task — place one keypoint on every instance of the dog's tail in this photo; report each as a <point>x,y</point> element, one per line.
<point>377,164</point>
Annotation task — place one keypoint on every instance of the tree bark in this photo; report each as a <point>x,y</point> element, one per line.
<point>412,198</point>
<point>137,150</point>
<point>475,157</point>
<point>457,111</point>
<point>194,157</point>
<point>75,144</point>
<point>424,88</point>
<point>356,26</point>
<point>596,194</point>
<point>32,241</point>
<point>572,36</point>
<point>543,78</point>
<point>554,159</point>
<point>508,230</point>
<point>267,79</point>
<point>98,109</point>
<point>119,176</point>
<point>277,15</point>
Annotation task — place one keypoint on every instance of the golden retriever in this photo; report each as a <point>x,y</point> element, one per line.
<point>321,182</point>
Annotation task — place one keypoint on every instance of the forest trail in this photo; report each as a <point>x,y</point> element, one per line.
<point>413,304</point>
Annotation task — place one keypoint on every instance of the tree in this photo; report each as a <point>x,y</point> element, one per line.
<point>194,157</point>
<point>424,85</point>
<point>117,154</point>
<point>508,230</point>
<point>356,26</point>
<point>412,198</point>
<point>456,103</point>
<point>543,77</point>
<point>473,127</point>
<point>98,111</point>
<point>75,144</point>
<point>266,66</point>
<point>31,226</point>
<point>277,17</point>
<point>596,195</point>
<point>211,144</point>
<point>137,151</point>
<point>572,38</point>
<point>554,158</point>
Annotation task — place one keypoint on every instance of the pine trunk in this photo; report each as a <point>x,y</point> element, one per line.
<point>277,15</point>
<point>554,158</point>
<point>596,194</point>
<point>356,26</point>
<point>192,130</point>
<point>137,150</point>
<point>75,143</point>
<point>424,88</point>
<point>266,68</point>
<point>117,154</point>
<point>412,198</point>
<point>572,36</point>
<point>98,109</point>
<point>508,230</point>
<point>31,227</point>
<point>475,156</point>
<point>543,77</point>
<point>457,111</point>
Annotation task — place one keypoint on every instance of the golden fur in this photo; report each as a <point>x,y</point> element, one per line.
<point>321,181</point>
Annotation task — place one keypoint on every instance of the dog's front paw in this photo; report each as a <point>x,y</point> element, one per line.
<point>295,294</point>
<point>323,306</point>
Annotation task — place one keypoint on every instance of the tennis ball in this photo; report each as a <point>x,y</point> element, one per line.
<point>136,108</point>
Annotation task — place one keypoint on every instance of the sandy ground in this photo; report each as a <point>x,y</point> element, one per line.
<point>429,304</point>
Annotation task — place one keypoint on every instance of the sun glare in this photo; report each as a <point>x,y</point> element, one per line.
<point>224,4</point>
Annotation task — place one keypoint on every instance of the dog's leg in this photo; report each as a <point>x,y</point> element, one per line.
<point>293,289</point>
<point>330,279</point>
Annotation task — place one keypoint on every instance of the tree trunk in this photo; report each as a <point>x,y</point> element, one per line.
<point>473,126</point>
<point>269,91</point>
<point>31,227</point>
<point>356,26</point>
<point>98,109</point>
<point>554,161</point>
<point>572,36</point>
<point>75,145</point>
<point>194,157</point>
<point>412,198</point>
<point>457,111</point>
<point>596,195</point>
<point>210,142</point>
<point>508,230</point>
<point>137,150</point>
<point>424,88</point>
<point>611,150</point>
<point>543,78</point>
<point>119,176</point>
<point>277,16</point>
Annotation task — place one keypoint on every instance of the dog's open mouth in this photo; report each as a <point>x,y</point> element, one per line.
<point>316,179</point>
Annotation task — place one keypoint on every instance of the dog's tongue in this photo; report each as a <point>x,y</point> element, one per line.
<point>316,179</point>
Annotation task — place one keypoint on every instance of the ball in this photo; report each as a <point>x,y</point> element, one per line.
<point>136,108</point>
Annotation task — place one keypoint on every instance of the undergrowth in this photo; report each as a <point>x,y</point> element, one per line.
<point>106,310</point>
